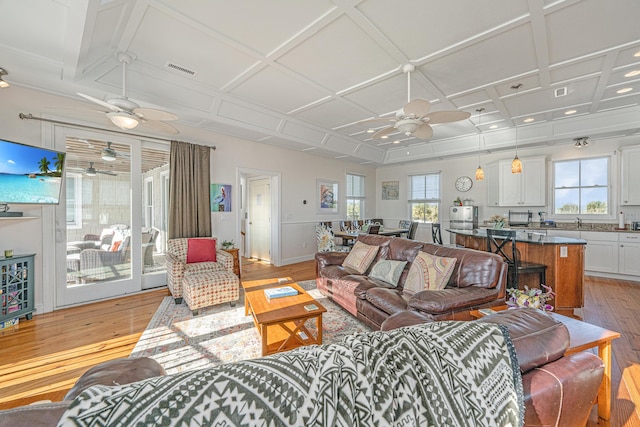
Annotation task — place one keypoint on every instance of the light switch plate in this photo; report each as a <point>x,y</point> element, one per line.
<point>563,252</point>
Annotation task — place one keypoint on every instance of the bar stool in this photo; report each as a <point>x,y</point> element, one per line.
<point>497,241</point>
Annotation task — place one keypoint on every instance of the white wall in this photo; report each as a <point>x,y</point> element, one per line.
<point>451,169</point>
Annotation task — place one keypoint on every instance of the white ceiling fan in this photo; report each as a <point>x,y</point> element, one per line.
<point>126,114</point>
<point>414,119</point>
<point>91,171</point>
<point>109,154</point>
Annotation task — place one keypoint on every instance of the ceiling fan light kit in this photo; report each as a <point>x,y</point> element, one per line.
<point>123,119</point>
<point>3,83</point>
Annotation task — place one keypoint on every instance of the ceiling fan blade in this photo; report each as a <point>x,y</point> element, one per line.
<point>383,132</point>
<point>424,131</point>
<point>99,102</point>
<point>417,108</point>
<point>447,116</point>
<point>159,126</point>
<point>153,114</point>
<point>107,173</point>
<point>377,120</point>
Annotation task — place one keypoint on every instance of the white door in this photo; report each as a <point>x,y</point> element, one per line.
<point>260,218</point>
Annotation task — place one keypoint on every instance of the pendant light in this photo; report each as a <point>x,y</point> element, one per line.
<point>479,171</point>
<point>516,164</point>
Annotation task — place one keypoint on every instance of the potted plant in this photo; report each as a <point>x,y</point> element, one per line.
<point>498,221</point>
<point>532,298</point>
<point>227,244</point>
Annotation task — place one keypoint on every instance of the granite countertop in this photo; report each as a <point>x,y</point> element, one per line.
<point>570,226</point>
<point>526,236</point>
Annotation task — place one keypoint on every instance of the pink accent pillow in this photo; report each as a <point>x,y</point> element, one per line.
<point>201,250</point>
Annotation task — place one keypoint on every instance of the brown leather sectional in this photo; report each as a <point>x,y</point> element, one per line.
<point>478,281</point>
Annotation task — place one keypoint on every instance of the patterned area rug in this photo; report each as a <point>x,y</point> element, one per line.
<point>221,334</point>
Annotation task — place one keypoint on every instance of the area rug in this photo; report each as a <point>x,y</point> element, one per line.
<point>221,334</point>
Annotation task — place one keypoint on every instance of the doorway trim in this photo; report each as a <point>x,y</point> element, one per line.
<point>242,176</point>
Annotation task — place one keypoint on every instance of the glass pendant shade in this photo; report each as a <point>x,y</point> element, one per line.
<point>479,173</point>
<point>516,165</point>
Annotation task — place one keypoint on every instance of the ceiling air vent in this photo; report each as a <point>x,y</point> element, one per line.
<point>561,91</point>
<point>180,68</point>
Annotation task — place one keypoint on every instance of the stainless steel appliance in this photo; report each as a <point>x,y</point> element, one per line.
<point>635,225</point>
<point>463,217</point>
<point>519,218</point>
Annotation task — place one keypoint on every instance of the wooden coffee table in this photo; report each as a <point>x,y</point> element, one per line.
<point>583,336</point>
<point>282,322</point>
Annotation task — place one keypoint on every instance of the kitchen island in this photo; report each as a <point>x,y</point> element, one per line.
<point>563,256</point>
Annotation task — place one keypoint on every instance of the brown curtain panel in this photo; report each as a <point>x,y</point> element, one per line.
<point>189,207</point>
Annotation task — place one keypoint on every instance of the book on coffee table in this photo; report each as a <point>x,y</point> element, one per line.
<point>285,291</point>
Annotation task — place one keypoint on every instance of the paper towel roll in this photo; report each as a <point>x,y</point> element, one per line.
<point>621,220</point>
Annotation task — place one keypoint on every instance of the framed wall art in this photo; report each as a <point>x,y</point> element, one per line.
<point>390,190</point>
<point>327,196</point>
<point>220,198</point>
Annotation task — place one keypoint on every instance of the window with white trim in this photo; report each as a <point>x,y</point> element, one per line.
<point>581,187</point>
<point>355,196</point>
<point>424,197</point>
<point>74,200</point>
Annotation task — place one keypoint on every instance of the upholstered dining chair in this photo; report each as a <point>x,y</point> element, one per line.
<point>413,228</point>
<point>326,242</point>
<point>503,242</point>
<point>373,229</point>
<point>436,234</point>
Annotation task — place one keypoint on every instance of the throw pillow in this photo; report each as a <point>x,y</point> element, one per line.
<point>115,246</point>
<point>388,271</point>
<point>360,257</point>
<point>201,250</point>
<point>429,272</point>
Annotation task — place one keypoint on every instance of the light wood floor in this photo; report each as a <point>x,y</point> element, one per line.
<point>45,356</point>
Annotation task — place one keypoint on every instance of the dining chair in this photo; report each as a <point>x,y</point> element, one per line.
<point>374,229</point>
<point>413,228</point>
<point>498,242</point>
<point>436,234</point>
<point>346,225</point>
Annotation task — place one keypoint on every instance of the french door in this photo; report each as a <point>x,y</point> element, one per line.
<point>106,226</point>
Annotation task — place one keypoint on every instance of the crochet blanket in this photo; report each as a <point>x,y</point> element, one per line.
<point>436,374</point>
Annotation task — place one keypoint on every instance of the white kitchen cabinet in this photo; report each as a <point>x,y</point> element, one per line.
<point>629,253</point>
<point>525,189</point>
<point>492,176</point>
<point>601,253</point>
<point>630,176</point>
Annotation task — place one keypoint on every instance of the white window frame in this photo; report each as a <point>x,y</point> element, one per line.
<point>424,200</point>
<point>147,191</point>
<point>610,202</point>
<point>77,202</point>
<point>356,198</point>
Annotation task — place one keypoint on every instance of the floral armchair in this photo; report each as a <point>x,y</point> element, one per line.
<point>325,239</point>
<point>178,268</point>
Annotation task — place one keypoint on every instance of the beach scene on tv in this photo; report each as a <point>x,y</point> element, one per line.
<point>29,174</point>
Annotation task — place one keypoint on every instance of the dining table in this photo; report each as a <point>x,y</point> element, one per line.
<point>350,235</point>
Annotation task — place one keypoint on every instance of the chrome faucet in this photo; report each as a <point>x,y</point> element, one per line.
<point>579,222</point>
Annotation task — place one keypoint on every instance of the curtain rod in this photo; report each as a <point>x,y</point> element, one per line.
<point>31,117</point>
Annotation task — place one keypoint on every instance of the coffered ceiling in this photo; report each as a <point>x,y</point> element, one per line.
<point>302,74</point>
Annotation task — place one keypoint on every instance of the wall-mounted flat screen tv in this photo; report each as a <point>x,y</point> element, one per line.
<point>28,174</point>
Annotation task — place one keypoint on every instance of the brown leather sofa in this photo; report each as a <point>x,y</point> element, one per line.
<point>113,372</point>
<point>478,281</point>
<point>558,390</point>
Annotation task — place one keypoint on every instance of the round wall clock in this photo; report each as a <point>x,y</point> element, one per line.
<point>464,183</point>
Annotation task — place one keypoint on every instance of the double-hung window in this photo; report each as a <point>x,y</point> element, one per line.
<point>424,197</point>
<point>355,196</point>
<point>581,187</point>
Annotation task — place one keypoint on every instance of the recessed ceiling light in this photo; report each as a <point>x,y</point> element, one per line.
<point>529,120</point>
<point>570,112</point>
<point>384,136</point>
<point>632,73</point>
<point>396,142</point>
<point>637,54</point>
<point>370,131</point>
<point>493,127</point>
<point>624,90</point>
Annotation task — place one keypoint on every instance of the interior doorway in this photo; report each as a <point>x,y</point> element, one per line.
<point>259,215</point>
<point>260,219</point>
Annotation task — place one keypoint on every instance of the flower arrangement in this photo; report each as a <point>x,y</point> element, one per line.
<point>498,221</point>
<point>227,244</point>
<point>532,298</point>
